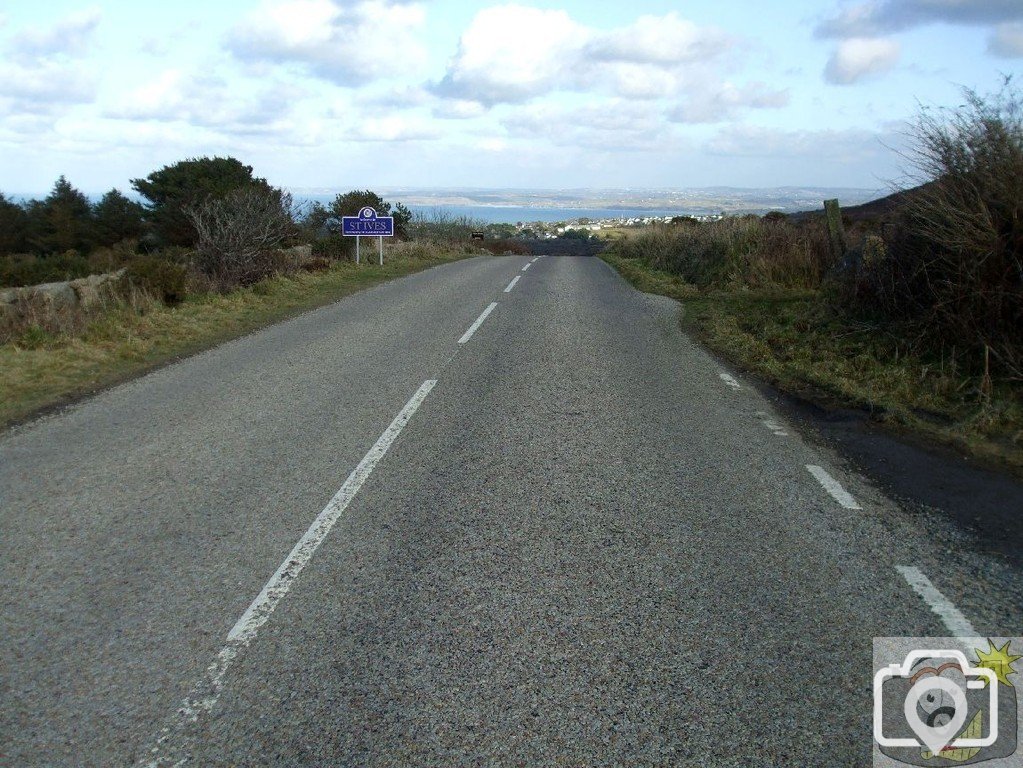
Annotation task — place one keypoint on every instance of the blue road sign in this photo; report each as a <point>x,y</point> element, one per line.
<point>367,223</point>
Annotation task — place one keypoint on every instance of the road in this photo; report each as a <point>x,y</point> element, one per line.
<point>366,536</point>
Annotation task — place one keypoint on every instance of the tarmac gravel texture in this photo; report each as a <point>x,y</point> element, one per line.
<point>584,548</point>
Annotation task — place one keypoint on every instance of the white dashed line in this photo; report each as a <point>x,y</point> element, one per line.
<point>957,624</point>
<point>772,425</point>
<point>832,486</point>
<point>534,259</point>
<point>479,321</point>
<point>204,694</point>
<point>729,380</point>
<point>512,283</point>
<point>527,266</point>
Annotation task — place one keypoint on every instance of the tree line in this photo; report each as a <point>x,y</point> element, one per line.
<point>173,198</point>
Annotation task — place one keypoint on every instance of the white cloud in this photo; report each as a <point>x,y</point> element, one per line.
<point>206,101</point>
<point>1007,41</point>
<point>844,146</point>
<point>70,35</point>
<point>43,74</point>
<point>345,42</point>
<point>510,53</point>
<point>391,128</point>
<point>616,124</point>
<point>727,102</point>
<point>664,40</point>
<point>459,109</point>
<point>43,87</point>
<point>514,53</point>
<point>861,57</point>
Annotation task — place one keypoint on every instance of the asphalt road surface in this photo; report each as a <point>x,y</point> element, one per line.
<point>457,521</point>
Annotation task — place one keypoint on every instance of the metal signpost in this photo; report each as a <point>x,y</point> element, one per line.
<point>367,224</point>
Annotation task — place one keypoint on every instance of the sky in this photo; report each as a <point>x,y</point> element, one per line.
<point>341,94</point>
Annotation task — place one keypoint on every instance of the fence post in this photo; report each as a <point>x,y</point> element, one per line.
<point>836,232</point>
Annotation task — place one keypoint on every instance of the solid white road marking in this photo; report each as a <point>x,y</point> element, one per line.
<point>729,380</point>
<point>832,486</point>
<point>479,321</point>
<point>527,266</point>
<point>205,693</point>
<point>957,624</point>
<point>512,283</point>
<point>534,259</point>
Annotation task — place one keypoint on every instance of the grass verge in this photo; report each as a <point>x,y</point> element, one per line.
<point>793,341</point>
<point>42,370</point>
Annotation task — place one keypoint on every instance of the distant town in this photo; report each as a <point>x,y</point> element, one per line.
<point>585,226</point>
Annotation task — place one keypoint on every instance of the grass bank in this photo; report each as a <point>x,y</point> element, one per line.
<point>796,342</point>
<point>40,369</point>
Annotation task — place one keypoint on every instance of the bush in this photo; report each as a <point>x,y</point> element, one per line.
<point>502,247</point>
<point>28,269</point>
<point>746,252</point>
<point>162,278</point>
<point>441,226</point>
<point>240,235</point>
<point>335,248</point>
<point>953,263</point>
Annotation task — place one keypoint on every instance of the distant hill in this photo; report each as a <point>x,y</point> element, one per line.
<point>882,208</point>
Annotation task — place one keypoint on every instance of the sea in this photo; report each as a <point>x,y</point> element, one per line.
<point>513,214</point>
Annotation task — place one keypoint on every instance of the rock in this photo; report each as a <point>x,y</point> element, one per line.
<point>55,295</point>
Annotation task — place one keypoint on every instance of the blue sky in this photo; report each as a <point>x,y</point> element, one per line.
<point>382,93</point>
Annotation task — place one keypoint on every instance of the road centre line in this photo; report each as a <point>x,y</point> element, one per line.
<point>527,266</point>
<point>204,694</point>
<point>512,283</point>
<point>832,486</point>
<point>958,625</point>
<point>535,258</point>
<point>479,321</point>
<point>729,380</point>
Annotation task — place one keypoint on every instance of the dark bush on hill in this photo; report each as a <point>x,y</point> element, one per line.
<point>952,265</point>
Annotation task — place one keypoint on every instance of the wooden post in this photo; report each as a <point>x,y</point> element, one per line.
<point>836,232</point>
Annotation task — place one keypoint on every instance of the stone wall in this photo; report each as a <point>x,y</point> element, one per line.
<point>83,293</point>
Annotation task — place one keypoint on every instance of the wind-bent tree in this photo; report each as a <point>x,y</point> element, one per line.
<point>174,189</point>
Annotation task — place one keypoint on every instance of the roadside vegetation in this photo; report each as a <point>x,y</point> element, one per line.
<point>920,322</point>
<point>213,253</point>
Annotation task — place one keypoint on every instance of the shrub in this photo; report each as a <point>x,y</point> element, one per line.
<point>240,235</point>
<point>443,226</point>
<point>745,252</point>
<point>335,248</point>
<point>160,277</point>
<point>953,267</point>
<point>29,269</point>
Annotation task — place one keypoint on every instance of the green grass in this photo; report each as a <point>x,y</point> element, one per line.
<point>40,369</point>
<point>796,342</point>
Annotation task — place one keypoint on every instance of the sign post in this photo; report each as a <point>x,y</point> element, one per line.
<point>367,223</point>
